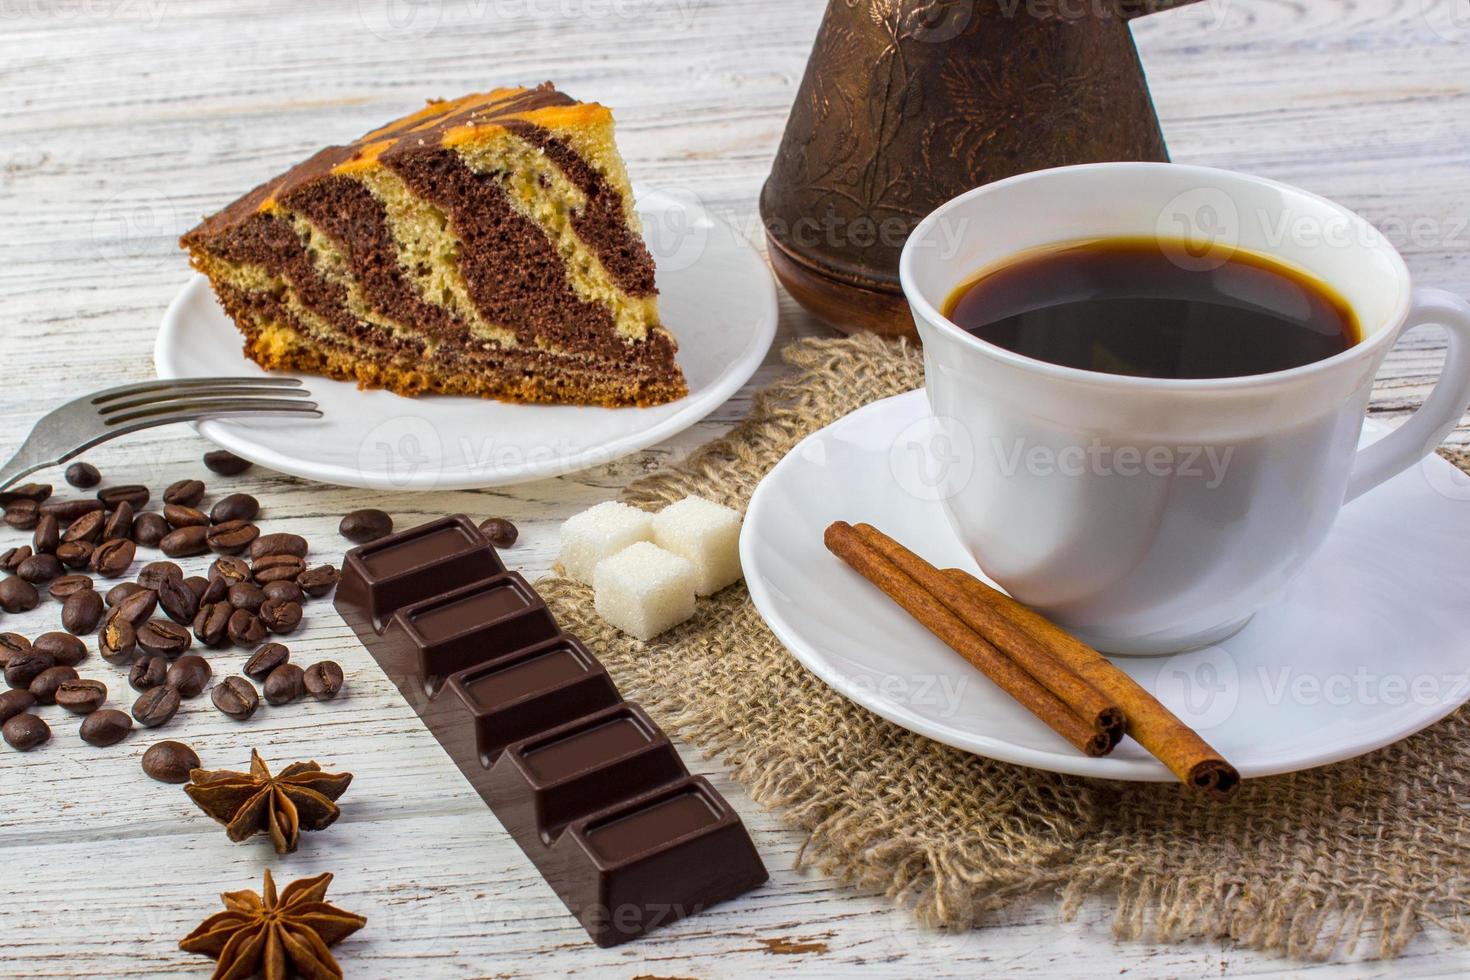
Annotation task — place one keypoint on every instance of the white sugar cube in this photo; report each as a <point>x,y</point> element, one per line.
<point>644,590</point>
<point>707,535</point>
<point>601,532</point>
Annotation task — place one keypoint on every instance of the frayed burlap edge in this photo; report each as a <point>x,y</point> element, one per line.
<point>1345,860</point>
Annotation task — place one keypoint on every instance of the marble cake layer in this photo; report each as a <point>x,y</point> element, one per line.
<point>484,246</point>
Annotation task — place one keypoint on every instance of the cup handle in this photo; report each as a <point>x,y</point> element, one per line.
<point>1440,412</point>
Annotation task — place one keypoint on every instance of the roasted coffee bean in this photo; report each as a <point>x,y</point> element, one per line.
<point>151,575</point>
<point>170,762</point>
<point>156,706</point>
<point>324,680</point>
<point>25,732</point>
<point>178,601</point>
<point>11,645</point>
<point>87,527</point>
<point>368,524</point>
<point>83,476</point>
<point>65,586</point>
<point>106,727</point>
<point>317,581</point>
<point>280,543</point>
<point>284,684</point>
<point>225,463</point>
<point>149,529</point>
<point>63,648</point>
<point>47,536</point>
<point>81,697</point>
<point>236,697</point>
<point>280,616</point>
<point>11,558</point>
<point>17,595</point>
<point>67,511</point>
<point>132,493</point>
<point>274,568</point>
<point>81,612</point>
<point>137,607</point>
<point>22,668</point>
<point>212,624</point>
<point>43,688</point>
<point>39,568</point>
<point>34,492</point>
<point>285,590</point>
<point>113,558</point>
<point>121,591</point>
<point>159,636</point>
<point>266,659</point>
<point>231,537</point>
<point>184,542</point>
<point>217,589</point>
<point>231,569</point>
<point>15,702</point>
<point>181,515</point>
<point>23,514</point>
<point>198,585</point>
<point>76,554</point>
<point>245,628</point>
<point>117,640</point>
<point>246,595</point>
<point>120,524</point>
<point>186,493</point>
<point>148,672</point>
<point>235,507</point>
<point>190,673</point>
<point>499,532</point>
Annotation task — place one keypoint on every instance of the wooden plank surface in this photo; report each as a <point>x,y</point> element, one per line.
<point>121,121</point>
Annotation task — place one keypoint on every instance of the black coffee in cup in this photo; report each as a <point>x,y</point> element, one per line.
<point>1149,308</point>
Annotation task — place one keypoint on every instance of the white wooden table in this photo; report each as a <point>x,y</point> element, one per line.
<point>121,121</point>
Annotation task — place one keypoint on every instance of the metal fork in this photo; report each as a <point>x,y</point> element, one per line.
<point>84,422</point>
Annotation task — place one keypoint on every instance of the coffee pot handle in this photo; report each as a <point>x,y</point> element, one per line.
<point>1441,411</point>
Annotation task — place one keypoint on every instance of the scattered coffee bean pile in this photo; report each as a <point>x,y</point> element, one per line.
<point>256,588</point>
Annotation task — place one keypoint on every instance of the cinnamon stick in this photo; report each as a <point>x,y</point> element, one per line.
<point>1151,724</point>
<point>1029,654</point>
<point>843,541</point>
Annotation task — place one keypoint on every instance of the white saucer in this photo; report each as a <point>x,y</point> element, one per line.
<point>715,293</point>
<point>1370,644</point>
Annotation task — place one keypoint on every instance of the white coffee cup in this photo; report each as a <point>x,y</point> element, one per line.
<point>1157,515</point>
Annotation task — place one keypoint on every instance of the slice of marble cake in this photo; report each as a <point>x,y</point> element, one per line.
<point>482,246</point>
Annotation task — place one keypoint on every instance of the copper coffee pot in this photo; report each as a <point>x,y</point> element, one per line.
<point>907,103</point>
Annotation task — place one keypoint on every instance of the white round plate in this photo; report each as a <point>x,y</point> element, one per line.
<point>1369,644</point>
<point>715,293</point>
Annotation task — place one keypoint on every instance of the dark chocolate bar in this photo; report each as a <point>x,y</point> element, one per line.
<point>588,786</point>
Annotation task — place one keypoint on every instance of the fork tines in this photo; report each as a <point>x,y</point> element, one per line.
<point>190,399</point>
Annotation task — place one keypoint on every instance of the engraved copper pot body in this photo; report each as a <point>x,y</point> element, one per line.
<point>907,103</point>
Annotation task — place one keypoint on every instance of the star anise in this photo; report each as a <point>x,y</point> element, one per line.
<point>255,802</point>
<point>275,937</point>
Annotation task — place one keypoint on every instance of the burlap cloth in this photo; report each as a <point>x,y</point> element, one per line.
<point>1348,859</point>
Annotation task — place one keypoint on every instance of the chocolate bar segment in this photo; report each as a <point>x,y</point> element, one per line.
<point>658,857</point>
<point>411,566</point>
<point>530,691</point>
<point>588,786</point>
